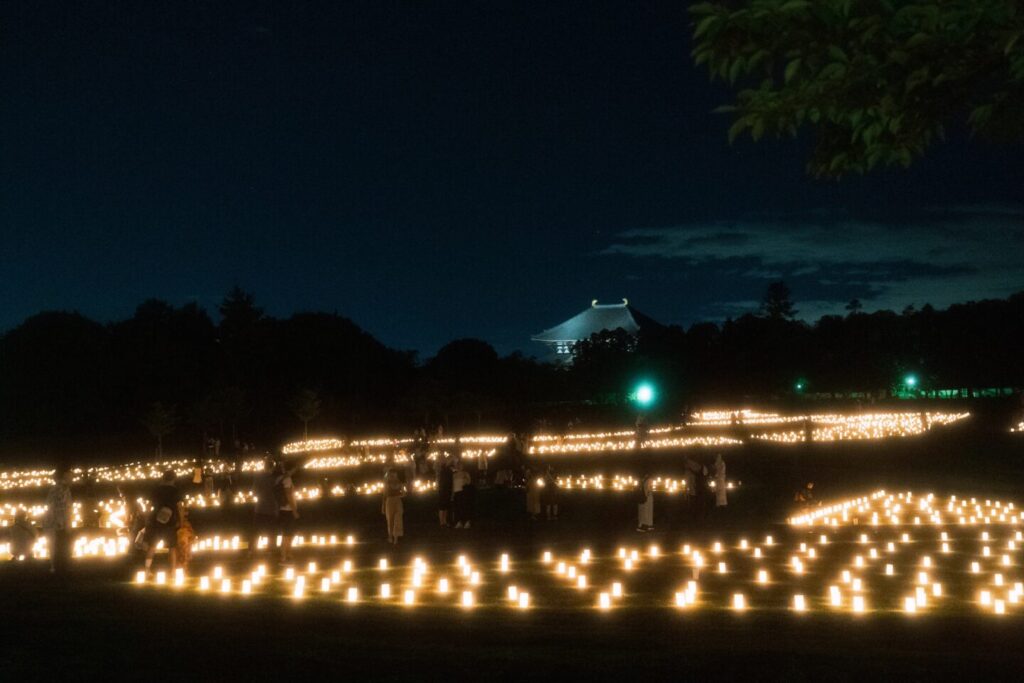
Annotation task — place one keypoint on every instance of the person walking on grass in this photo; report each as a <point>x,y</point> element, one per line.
<point>444,490</point>
<point>534,486</point>
<point>391,506</point>
<point>264,516</point>
<point>58,521</point>
<point>642,431</point>
<point>645,504</point>
<point>462,496</point>
<point>164,521</point>
<point>287,509</point>
<point>549,494</point>
<point>721,485</point>
<point>134,515</point>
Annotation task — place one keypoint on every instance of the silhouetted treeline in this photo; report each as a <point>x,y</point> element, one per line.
<point>177,376</point>
<point>973,346</point>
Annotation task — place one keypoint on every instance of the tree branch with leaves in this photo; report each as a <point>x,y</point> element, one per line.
<point>875,81</point>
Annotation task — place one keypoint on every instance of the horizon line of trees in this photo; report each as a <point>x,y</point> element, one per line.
<point>172,377</point>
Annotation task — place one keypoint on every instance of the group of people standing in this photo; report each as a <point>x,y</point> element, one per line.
<point>542,493</point>
<point>701,495</point>
<point>456,493</point>
<point>276,510</point>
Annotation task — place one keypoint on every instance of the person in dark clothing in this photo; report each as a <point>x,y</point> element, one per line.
<point>264,518</point>
<point>58,521</point>
<point>22,536</point>
<point>444,490</point>
<point>550,493</point>
<point>134,515</point>
<point>704,497</point>
<point>164,520</point>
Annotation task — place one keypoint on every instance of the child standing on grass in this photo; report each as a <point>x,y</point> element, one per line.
<point>392,507</point>
<point>186,534</point>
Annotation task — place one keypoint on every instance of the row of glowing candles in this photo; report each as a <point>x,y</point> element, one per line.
<point>924,591</point>
<point>298,583</point>
<point>112,513</point>
<point>396,450</point>
<point>830,515</point>
<point>963,511</point>
<point>106,547</point>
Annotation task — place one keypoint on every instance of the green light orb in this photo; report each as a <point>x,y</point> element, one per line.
<point>644,394</point>
<point>910,380</point>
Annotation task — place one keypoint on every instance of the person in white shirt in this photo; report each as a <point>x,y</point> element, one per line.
<point>288,510</point>
<point>645,506</point>
<point>721,485</point>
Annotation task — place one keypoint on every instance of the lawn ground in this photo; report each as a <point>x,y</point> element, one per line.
<point>95,625</point>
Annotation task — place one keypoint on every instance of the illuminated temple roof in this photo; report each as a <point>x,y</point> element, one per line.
<point>592,320</point>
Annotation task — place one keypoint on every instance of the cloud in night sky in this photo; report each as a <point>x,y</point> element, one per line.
<point>938,255</point>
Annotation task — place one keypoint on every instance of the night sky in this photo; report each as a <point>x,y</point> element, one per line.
<point>444,170</point>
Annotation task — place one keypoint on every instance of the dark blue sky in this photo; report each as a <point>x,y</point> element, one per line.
<point>440,170</point>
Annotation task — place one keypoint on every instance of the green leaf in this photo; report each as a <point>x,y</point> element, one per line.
<point>794,6</point>
<point>916,78</point>
<point>757,130</point>
<point>791,69</point>
<point>917,39</point>
<point>837,161</point>
<point>704,25</point>
<point>1011,42</point>
<point>836,53</point>
<point>735,69</point>
<point>755,59</point>
<point>832,71</point>
<point>737,127</point>
<point>871,133</point>
<point>703,8</point>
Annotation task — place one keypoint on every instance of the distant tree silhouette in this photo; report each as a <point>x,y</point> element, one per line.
<point>305,405</point>
<point>161,421</point>
<point>238,312</point>
<point>69,379</point>
<point>778,303</point>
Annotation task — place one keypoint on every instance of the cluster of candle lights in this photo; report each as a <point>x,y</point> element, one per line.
<point>391,451</point>
<point>111,512</point>
<point>879,553</point>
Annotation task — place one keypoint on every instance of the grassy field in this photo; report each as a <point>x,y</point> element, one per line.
<point>95,625</point>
